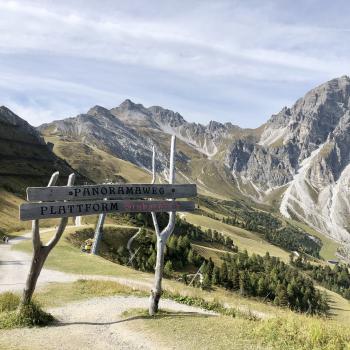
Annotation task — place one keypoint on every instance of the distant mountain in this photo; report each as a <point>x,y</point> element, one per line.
<point>304,149</point>
<point>297,162</point>
<point>206,139</point>
<point>130,130</point>
<point>25,158</point>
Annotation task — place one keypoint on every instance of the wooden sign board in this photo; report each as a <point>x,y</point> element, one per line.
<point>120,191</point>
<point>44,210</point>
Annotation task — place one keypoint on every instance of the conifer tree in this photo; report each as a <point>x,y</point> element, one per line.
<point>235,278</point>
<point>223,274</point>
<point>244,283</point>
<point>168,268</point>
<point>206,284</point>
<point>216,276</point>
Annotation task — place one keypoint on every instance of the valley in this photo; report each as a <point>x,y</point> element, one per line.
<point>267,245</point>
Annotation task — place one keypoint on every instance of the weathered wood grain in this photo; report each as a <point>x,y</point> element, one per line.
<point>120,191</point>
<point>33,211</point>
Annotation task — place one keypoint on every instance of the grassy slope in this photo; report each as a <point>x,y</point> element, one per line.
<point>285,330</point>
<point>100,165</point>
<point>66,258</point>
<point>69,259</point>
<point>194,331</point>
<point>212,178</point>
<point>9,214</point>
<point>329,247</point>
<point>254,243</point>
<point>291,332</point>
<point>340,307</point>
<point>58,294</point>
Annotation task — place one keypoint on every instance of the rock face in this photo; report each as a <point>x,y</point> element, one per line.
<point>302,151</point>
<point>130,130</point>
<point>206,139</point>
<point>99,128</point>
<point>306,148</point>
<point>25,158</point>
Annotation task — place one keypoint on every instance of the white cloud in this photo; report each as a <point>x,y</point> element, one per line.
<point>219,43</point>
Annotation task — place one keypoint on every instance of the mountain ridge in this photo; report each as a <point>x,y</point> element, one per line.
<point>300,151</point>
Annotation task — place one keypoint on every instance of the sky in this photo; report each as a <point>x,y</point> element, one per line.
<point>229,61</point>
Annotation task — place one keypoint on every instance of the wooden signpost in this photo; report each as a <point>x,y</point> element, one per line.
<point>119,191</point>
<point>76,201</point>
<point>45,210</point>
<point>71,201</point>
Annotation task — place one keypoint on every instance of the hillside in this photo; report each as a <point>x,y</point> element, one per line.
<point>88,303</point>
<point>296,163</point>
<point>304,150</point>
<point>128,132</point>
<point>25,160</point>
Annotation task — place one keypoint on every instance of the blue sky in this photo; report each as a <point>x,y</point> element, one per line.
<point>237,61</point>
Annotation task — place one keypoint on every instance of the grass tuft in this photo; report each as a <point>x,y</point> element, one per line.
<point>8,302</point>
<point>29,316</point>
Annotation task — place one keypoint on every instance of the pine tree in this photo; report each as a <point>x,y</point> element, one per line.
<point>151,261</point>
<point>244,283</point>
<point>223,274</point>
<point>190,256</point>
<point>281,295</point>
<point>235,279</point>
<point>206,284</point>
<point>168,268</point>
<point>262,287</point>
<point>216,276</point>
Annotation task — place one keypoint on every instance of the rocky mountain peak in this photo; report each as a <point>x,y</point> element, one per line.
<point>98,110</point>
<point>134,114</point>
<point>18,126</point>
<point>301,153</point>
<point>215,126</point>
<point>167,117</point>
<point>129,105</point>
<point>8,117</point>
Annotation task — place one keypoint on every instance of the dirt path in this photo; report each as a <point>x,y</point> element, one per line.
<point>14,267</point>
<point>92,324</point>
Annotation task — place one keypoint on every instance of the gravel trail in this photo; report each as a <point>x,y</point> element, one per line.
<point>92,324</point>
<point>14,267</point>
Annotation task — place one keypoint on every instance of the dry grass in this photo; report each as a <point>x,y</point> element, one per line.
<point>197,331</point>
<point>69,259</point>
<point>57,294</point>
<point>97,164</point>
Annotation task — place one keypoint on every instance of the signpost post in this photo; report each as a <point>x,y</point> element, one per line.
<point>98,233</point>
<point>76,201</point>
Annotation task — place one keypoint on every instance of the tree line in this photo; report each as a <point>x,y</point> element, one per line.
<point>273,230</point>
<point>268,278</point>
<point>286,237</point>
<point>336,279</point>
<point>264,277</point>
